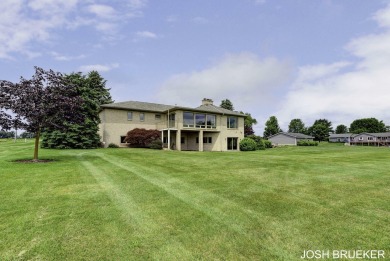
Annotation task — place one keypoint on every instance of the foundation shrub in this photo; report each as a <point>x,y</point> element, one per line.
<point>247,144</point>
<point>142,138</point>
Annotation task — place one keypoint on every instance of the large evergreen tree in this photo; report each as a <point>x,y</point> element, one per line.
<point>271,127</point>
<point>92,89</point>
<point>44,101</point>
<point>297,126</point>
<point>367,125</point>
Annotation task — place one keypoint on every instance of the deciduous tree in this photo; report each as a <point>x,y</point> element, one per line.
<point>321,129</point>
<point>227,104</point>
<point>372,125</point>
<point>271,127</point>
<point>341,129</point>
<point>44,101</point>
<point>248,124</point>
<point>297,126</point>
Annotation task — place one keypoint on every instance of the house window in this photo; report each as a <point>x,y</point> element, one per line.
<point>360,138</point>
<point>142,116</point>
<point>188,119</point>
<point>157,116</point>
<point>129,116</point>
<point>211,121</point>
<point>207,140</point>
<point>370,138</point>
<point>172,120</point>
<point>232,122</point>
<point>200,120</point>
<point>182,140</point>
<point>197,139</point>
<point>123,139</point>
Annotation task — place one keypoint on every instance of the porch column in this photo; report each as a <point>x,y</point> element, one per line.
<point>178,140</point>
<point>201,140</point>
<point>162,138</point>
<point>169,139</point>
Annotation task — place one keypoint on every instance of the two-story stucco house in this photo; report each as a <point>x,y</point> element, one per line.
<point>204,128</point>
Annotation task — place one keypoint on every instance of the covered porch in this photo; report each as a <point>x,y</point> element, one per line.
<point>190,140</point>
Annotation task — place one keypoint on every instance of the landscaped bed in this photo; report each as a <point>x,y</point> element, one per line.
<point>138,204</point>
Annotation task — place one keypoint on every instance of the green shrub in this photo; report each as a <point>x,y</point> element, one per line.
<point>307,143</point>
<point>267,144</point>
<point>247,144</point>
<point>259,142</point>
<point>156,144</point>
<point>113,145</point>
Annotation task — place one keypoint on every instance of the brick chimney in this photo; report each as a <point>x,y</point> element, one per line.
<point>206,101</point>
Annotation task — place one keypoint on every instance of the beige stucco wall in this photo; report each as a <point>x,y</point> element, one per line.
<point>115,124</point>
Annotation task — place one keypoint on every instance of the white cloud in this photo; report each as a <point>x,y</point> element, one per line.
<point>102,11</point>
<point>345,91</point>
<point>146,34</point>
<point>27,22</point>
<point>243,78</point>
<point>61,57</point>
<point>98,67</point>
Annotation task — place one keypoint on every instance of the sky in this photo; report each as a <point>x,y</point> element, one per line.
<point>306,59</point>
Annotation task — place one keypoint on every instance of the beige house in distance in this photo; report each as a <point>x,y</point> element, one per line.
<point>205,128</point>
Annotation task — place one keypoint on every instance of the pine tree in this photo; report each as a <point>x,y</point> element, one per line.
<point>92,89</point>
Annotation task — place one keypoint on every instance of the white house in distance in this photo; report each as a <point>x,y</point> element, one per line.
<point>204,128</point>
<point>288,138</point>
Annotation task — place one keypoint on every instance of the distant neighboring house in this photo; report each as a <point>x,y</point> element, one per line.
<point>204,128</point>
<point>288,138</point>
<point>371,139</point>
<point>344,137</point>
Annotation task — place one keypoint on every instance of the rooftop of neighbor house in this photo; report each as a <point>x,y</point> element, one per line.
<point>294,135</point>
<point>341,135</point>
<point>207,106</point>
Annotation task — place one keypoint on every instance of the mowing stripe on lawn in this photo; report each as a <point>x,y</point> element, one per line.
<point>225,211</point>
<point>124,202</point>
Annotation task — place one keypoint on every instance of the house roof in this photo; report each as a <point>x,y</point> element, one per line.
<point>155,107</point>
<point>380,134</point>
<point>219,110</point>
<point>294,135</point>
<point>341,135</point>
<point>140,106</point>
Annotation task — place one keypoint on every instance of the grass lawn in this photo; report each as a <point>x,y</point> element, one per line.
<point>135,204</point>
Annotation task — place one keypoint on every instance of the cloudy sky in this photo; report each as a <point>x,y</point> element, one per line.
<point>306,59</point>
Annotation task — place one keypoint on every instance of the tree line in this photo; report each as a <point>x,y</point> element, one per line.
<point>320,129</point>
<point>62,108</point>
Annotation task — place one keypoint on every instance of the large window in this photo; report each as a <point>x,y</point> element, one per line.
<point>211,121</point>
<point>188,119</point>
<point>232,122</point>
<point>199,120</point>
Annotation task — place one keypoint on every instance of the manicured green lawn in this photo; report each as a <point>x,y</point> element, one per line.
<point>135,204</point>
